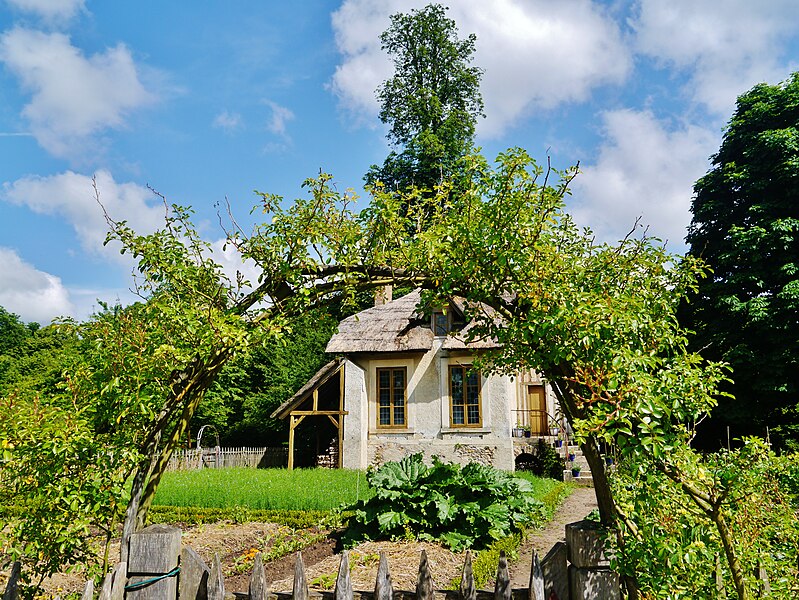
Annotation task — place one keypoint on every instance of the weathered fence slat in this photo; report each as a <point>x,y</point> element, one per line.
<point>763,584</point>
<point>259,588</point>
<point>468,590</point>
<point>12,587</point>
<point>343,581</point>
<point>118,582</point>
<point>383,588</point>
<point>720,593</point>
<point>299,590</point>
<point>424,584</point>
<point>536,580</point>
<point>105,589</point>
<point>502,589</point>
<point>153,558</point>
<point>216,581</point>
<point>88,590</point>
<point>194,574</point>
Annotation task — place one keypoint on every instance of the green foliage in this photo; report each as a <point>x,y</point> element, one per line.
<point>461,507</point>
<point>263,489</point>
<point>746,228</point>
<point>13,332</point>
<point>544,462</point>
<point>431,103</point>
<point>484,566</point>
<point>61,481</point>
<point>38,363</point>
<point>241,400</point>
<point>675,550</point>
<point>194,515</point>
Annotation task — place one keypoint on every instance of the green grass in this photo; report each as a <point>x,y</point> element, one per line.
<point>263,489</point>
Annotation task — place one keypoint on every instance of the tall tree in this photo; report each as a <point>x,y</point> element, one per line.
<point>432,102</point>
<point>746,228</point>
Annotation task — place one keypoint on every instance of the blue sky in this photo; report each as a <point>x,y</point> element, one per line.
<point>209,100</point>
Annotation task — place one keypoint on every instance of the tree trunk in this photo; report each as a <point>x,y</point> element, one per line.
<point>608,514</point>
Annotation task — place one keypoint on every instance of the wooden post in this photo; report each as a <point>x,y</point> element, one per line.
<point>299,590</point>
<point>341,415</point>
<point>153,555</point>
<point>502,589</point>
<point>12,587</point>
<point>467,589</point>
<point>424,583</point>
<point>383,588</point>
<point>194,574</point>
<point>343,581</point>
<point>536,590</point>
<point>291,442</point>
<point>259,588</point>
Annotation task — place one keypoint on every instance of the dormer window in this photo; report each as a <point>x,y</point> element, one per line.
<point>440,323</point>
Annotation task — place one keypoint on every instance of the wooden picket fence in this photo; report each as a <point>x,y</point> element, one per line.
<point>197,581</point>
<point>216,457</point>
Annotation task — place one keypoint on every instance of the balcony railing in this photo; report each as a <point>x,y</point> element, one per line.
<point>538,422</point>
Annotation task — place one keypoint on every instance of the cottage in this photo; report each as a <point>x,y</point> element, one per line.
<point>404,383</point>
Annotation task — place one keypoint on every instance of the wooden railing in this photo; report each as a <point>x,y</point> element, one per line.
<point>540,422</point>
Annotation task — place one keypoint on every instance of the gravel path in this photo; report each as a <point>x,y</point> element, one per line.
<point>575,508</point>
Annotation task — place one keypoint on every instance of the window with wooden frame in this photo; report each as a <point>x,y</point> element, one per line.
<point>464,394</point>
<point>440,323</point>
<point>391,397</point>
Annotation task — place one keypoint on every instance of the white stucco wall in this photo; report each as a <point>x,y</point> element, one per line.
<point>356,421</point>
<point>428,421</point>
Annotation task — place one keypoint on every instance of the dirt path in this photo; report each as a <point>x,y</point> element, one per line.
<point>579,503</point>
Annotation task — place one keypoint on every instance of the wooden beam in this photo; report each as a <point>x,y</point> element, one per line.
<point>332,420</point>
<point>342,413</point>
<point>316,399</point>
<point>306,413</point>
<point>292,425</point>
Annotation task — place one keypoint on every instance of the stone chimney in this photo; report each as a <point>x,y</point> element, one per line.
<point>383,295</point>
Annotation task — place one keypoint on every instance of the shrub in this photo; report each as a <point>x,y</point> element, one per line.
<point>461,507</point>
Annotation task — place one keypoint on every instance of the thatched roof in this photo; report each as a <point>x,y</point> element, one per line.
<point>397,326</point>
<point>318,380</point>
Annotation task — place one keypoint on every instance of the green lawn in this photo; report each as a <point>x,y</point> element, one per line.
<point>270,489</point>
<point>279,489</point>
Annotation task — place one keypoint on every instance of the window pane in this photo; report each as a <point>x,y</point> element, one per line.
<point>439,324</point>
<point>457,415</point>
<point>472,389</point>
<point>399,379</point>
<point>399,415</point>
<point>474,415</point>
<point>384,377</point>
<point>385,397</point>
<point>385,415</point>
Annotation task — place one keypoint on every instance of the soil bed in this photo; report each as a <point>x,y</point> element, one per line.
<point>237,545</point>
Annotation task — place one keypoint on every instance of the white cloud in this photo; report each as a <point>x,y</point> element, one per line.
<point>32,294</point>
<point>727,46</point>
<point>71,196</point>
<point>280,116</point>
<point>229,121</point>
<point>536,54</point>
<point>645,170</point>
<point>73,97</point>
<point>50,10</point>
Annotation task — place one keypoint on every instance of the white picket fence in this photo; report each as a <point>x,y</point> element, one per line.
<point>216,457</point>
